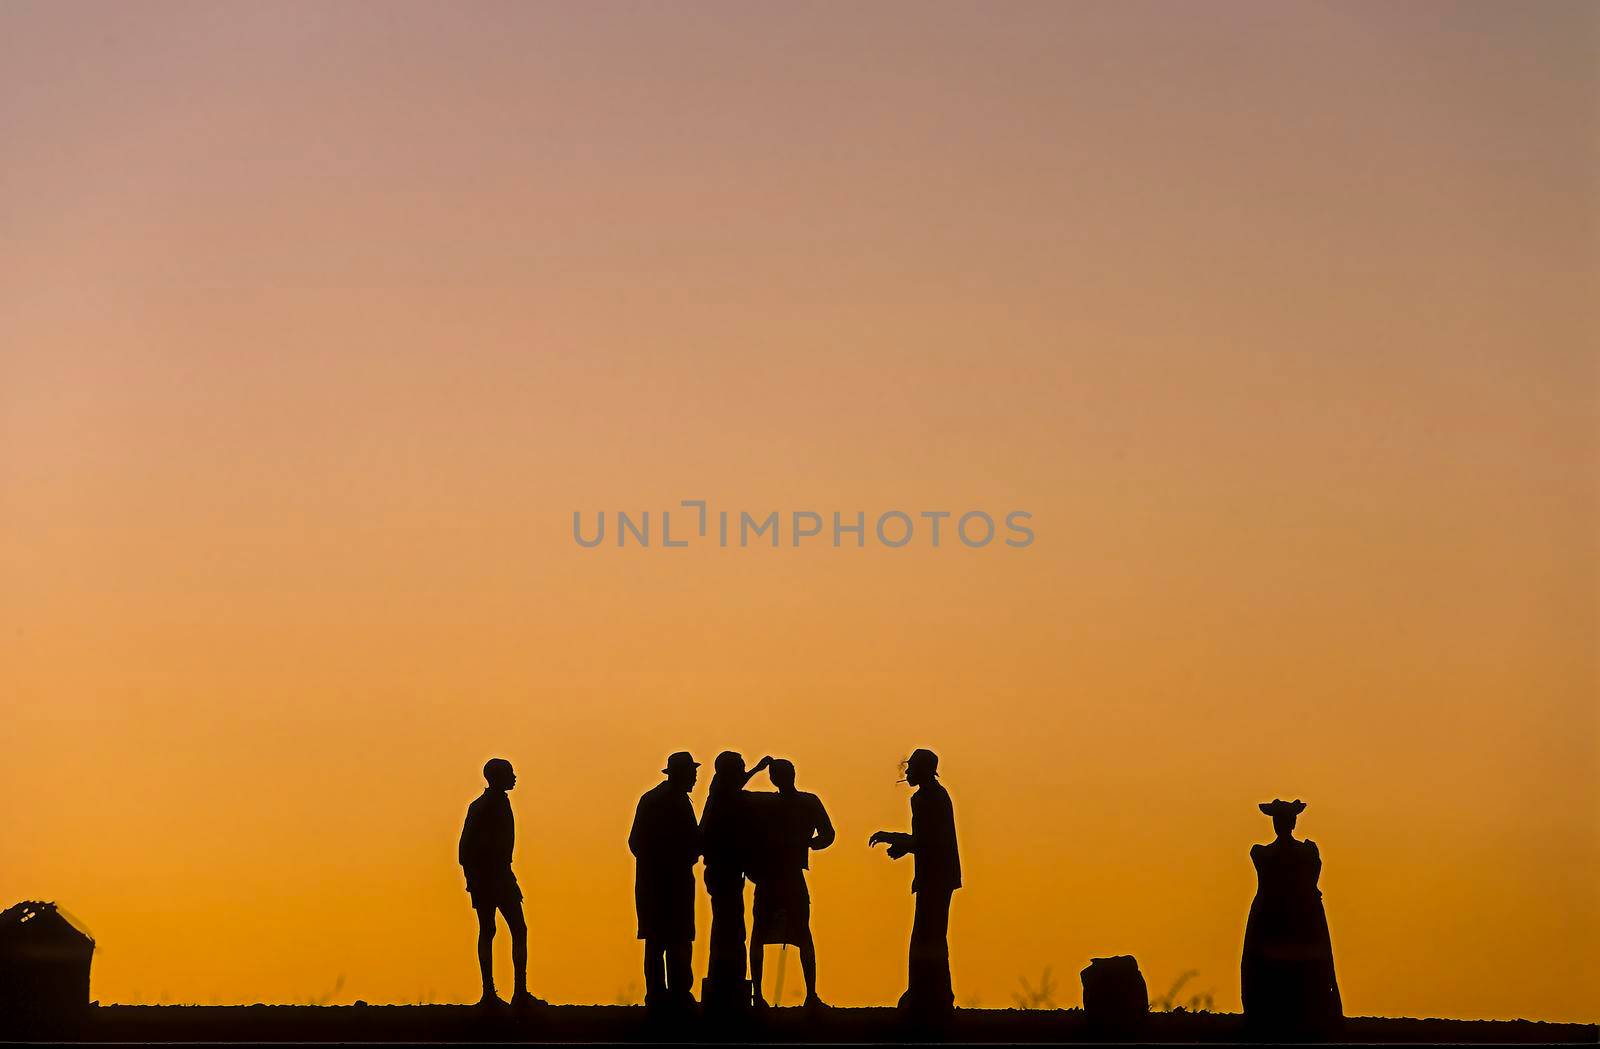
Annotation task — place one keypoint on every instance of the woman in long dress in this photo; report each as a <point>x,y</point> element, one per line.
<point>1287,978</point>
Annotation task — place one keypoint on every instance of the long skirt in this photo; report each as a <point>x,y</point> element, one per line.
<point>1287,980</point>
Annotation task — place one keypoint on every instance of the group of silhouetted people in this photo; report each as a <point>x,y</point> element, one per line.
<point>767,837</point>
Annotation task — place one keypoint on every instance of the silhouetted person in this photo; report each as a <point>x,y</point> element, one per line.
<point>665,842</point>
<point>932,842</point>
<point>793,823</point>
<point>485,855</point>
<point>724,827</point>
<point>1287,980</point>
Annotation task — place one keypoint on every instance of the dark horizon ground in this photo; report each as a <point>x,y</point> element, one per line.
<point>613,1023</point>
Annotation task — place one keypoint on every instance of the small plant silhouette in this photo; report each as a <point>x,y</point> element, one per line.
<point>1169,1003</point>
<point>1036,996</point>
<point>324,999</point>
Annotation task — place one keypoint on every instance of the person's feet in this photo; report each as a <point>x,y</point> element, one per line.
<point>490,1000</point>
<point>523,1000</point>
<point>670,1003</point>
<point>911,1004</point>
<point>759,1002</point>
<point>813,1002</point>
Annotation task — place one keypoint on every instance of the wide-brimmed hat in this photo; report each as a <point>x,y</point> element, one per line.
<point>1278,807</point>
<point>681,760</point>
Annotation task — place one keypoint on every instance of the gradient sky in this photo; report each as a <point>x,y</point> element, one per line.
<point>317,322</point>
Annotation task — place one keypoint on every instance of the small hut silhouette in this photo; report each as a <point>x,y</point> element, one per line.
<point>44,967</point>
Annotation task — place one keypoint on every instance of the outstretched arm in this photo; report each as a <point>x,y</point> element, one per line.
<point>824,831</point>
<point>760,766</point>
<point>900,844</point>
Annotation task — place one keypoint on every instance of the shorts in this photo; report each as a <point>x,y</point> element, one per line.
<point>494,890</point>
<point>782,910</point>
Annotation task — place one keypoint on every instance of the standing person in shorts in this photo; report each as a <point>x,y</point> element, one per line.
<point>791,823</point>
<point>485,857</point>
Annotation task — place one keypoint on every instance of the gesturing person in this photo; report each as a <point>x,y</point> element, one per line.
<point>724,829</point>
<point>937,876</point>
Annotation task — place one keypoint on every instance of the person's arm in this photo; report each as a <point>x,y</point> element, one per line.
<point>899,843</point>
<point>505,833</point>
<point>469,851</point>
<point>760,766</point>
<point>932,825</point>
<point>923,823</point>
<point>824,829</point>
<point>636,836</point>
<point>697,834</point>
<point>934,829</point>
<point>467,847</point>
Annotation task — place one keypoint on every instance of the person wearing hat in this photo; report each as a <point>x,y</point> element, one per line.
<point>936,877</point>
<point>1287,980</point>
<point>485,856</point>
<point>665,842</point>
<point>724,829</point>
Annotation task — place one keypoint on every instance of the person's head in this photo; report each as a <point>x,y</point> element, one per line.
<point>921,767</point>
<point>682,770</point>
<point>1284,814</point>
<point>781,772</point>
<point>728,772</point>
<point>498,774</point>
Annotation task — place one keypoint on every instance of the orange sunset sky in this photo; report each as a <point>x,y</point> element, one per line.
<point>318,321</point>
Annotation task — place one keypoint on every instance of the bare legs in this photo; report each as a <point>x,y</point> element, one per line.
<point>519,949</point>
<point>808,966</point>
<point>486,950</point>
<point>512,912</point>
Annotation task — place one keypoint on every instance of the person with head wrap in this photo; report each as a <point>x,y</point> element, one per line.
<point>1287,980</point>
